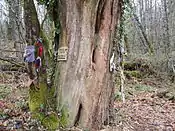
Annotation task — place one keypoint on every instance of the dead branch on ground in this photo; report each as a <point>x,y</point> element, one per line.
<point>13,62</point>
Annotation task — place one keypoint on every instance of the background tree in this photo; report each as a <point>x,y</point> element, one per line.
<point>156,21</point>
<point>32,28</point>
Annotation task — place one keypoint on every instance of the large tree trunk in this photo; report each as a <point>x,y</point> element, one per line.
<point>85,86</point>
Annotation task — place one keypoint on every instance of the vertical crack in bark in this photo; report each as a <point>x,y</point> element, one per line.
<point>112,12</point>
<point>94,47</point>
<point>93,56</point>
<point>95,118</point>
<point>112,7</point>
<point>79,113</point>
<point>99,16</point>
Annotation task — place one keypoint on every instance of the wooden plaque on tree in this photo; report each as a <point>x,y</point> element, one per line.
<point>62,53</point>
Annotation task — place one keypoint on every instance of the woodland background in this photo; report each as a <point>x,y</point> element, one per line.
<point>145,80</point>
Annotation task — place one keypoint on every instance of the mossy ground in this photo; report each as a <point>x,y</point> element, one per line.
<point>42,104</point>
<point>37,98</point>
<point>64,116</point>
<point>51,121</point>
<point>39,101</point>
<point>130,74</point>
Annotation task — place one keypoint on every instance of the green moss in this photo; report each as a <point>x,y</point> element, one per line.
<point>130,65</point>
<point>51,121</point>
<point>38,115</point>
<point>60,108</point>
<point>64,117</point>
<point>146,88</point>
<point>37,101</point>
<point>118,96</point>
<point>37,98</point>
<point>47,44</point>
<point>51,92</point>
<point>136,74</point>
<point>51,99</point>
<point>4,91</point>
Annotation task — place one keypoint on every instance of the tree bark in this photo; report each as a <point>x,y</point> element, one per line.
<point>32,28</point>
<point>166,35</point>
<point>85,87</point>
<point>11,25</point>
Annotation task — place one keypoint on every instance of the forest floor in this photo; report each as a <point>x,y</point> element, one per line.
<point>14,111</point>
<point>149,106</point>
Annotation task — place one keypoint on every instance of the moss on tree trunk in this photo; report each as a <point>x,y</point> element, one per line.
<point>40,96</point>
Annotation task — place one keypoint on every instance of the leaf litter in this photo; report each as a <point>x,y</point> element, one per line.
<point>146,110</point>
<point>14,111</point>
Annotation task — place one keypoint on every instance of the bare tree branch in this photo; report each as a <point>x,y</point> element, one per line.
<point>13,62</point>
<point>4,50</point>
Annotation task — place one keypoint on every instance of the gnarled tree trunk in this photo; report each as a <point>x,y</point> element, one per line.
<point>85,86</point>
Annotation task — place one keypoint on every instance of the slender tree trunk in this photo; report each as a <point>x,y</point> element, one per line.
<point>32,28</point>
<point>166,36</point>
<point>136,18</point>
<point>14,15</point>
<point>85,87</point>
<point>11,23</point>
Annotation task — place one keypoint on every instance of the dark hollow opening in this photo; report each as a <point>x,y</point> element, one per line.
<point>77,120</point>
